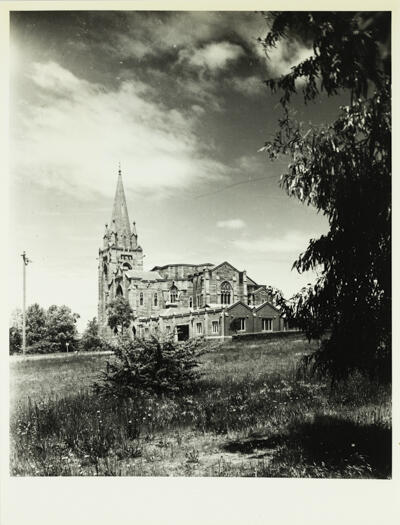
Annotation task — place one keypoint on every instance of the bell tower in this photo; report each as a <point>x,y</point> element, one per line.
<point>120,253</point>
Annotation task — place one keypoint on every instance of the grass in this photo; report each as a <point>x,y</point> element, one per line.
<point>252,415</point>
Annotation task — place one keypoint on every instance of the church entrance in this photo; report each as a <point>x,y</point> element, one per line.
<point>182,331</point>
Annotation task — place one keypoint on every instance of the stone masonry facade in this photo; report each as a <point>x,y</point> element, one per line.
<point>188,300</point>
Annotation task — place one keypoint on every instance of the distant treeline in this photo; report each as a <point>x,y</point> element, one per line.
<point>52,330</point>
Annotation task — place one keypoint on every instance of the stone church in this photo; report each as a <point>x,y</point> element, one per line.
<point>189,300</point>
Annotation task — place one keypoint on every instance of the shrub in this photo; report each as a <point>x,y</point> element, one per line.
<point>157,365</point>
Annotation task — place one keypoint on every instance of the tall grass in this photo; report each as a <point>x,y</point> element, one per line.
<point>251,414</point>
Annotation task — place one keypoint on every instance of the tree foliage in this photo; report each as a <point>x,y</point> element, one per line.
<point>344,170</point>
<point>120,314</point>
<point>46,330</point>
<point>155,365</point>
<point>91,340</point>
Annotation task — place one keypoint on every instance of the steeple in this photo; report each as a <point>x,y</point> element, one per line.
<point>120,218</point>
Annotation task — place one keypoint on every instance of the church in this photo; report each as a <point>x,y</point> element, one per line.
<point>187,300</point>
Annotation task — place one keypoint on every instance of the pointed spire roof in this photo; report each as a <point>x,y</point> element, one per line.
<point>120,217</point>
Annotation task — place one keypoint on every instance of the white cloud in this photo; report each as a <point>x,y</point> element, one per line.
<point>231,224</point>
<point>290,242</point>
<point>214,56</point>
<point>75,132</point>
<point>248,85</point>
<point>285,55</point>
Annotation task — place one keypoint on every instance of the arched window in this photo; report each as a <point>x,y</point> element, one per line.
<point>141,299</point>
<point>155,299</point>
<point>190,302</point>
<point>105,272</point>
<point>226,293</point>
<point>119,291</point>
<point>173,294</point>
<point>126,266</point>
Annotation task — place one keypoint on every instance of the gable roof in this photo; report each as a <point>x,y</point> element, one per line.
<point>269,304</point>
<point>228,264</point>
<point>237,303</point>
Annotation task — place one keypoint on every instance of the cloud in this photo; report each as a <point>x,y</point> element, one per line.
<point>285,55</point>
<point>295,242</point>
<point>248,85</point>
<point>74,132</point>
<point>214,56</point>
<point>231,224</point>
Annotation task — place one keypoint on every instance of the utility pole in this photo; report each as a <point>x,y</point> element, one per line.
<point>25,262</point>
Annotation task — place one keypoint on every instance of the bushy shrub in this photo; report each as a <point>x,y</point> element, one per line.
<point>156,365</point>
<point>15,339</point>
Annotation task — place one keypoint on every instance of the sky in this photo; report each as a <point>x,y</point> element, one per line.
<point>178,99</point>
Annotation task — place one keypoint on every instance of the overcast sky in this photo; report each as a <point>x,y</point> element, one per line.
<point>179,100</point>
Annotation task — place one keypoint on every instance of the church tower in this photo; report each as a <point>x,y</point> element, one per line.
<point>120,253</point>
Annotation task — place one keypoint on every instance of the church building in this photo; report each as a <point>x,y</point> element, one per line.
<point>188,300</point>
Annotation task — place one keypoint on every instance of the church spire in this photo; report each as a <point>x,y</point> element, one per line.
<point>120,217</point>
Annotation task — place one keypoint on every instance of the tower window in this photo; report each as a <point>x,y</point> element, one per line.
<point>226,293</point>
<point>173,294</point>
<point>155,299</point>
<point>119,291</point>
<point>141,299</point>
<point>190,302</point>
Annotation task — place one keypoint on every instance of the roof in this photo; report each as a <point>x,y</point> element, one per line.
<point>269,304</point>
<point>144,276</point>
<point>225,262</point>
<point>181,264</point>
<point>237,303</point>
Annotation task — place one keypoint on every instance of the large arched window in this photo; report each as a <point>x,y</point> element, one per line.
<point>119,291</point>
<point>141,299</point>
<point>173,294</point>
<point>126,266</point>
<point>226,293</point>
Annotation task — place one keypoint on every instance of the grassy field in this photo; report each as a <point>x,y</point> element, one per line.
<point>252,415</point>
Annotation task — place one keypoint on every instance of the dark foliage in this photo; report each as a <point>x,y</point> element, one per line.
<point>160,366</point>
<point>344,170</point>
<point>47,331</point>
<point>91,340</point>
<point>15,338</point>
<point>120,314</point>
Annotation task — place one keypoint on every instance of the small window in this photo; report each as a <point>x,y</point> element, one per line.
<point>155,299</point>
<point>199,328</point>
<point>141,299</point>
<point>215,327</point>
<point>173,294</point>
<point>168,328</point>
<point>267,325</point>
<point>241,324</point>
<point>190,302</point>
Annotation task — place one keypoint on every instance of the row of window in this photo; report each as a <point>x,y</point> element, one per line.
<point>266,326</point>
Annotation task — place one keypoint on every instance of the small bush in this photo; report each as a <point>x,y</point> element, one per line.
<point>156,365</point>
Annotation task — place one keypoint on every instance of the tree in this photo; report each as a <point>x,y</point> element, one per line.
<point>120,314</point>
<point>61,328</point>
<point>344,170</point>
<point>155,365</point>
<point>15,340</point>
<point>35,324</point>
<point>91,341</point>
